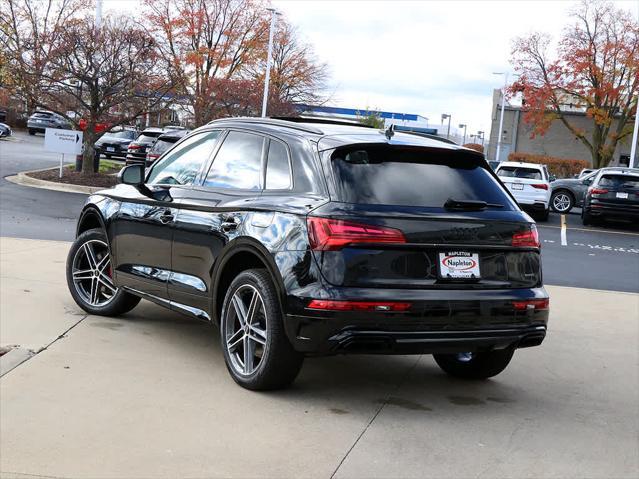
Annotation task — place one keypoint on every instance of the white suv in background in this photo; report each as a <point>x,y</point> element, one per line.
<point>530,185</point>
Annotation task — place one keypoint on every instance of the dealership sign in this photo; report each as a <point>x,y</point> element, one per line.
<point>67,142</point>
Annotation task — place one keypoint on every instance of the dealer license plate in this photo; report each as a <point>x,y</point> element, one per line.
<point>459,265</point>
<point>110,148</point>
<point>623,196</point>
<point>518,186</point>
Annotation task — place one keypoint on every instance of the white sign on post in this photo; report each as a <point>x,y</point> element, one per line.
<point>67,142</point>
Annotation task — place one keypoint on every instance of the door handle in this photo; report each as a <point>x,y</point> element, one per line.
<point>166,217</point>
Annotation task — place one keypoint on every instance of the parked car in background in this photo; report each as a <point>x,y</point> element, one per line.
<point>301,238</point>
<point>530,185</point>
<point>5,130</point>
<point>614,194</point>
<point>41,120</point>
<point>493,164</point>
<point>115,143</point>
<point>585,172</point>
<point>138,149</point>
<point>163,143</point>
<point>568,193</point>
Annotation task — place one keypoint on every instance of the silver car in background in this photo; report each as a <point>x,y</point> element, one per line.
<point>570,192</point>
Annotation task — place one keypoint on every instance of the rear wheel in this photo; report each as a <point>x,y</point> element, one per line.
<point>257,352</point>
<point>562,201</point>
<point>32,132</point>
<point>587,219</point>
<point>475,365</point>
<point>543,216</point>
<point>90,277</point>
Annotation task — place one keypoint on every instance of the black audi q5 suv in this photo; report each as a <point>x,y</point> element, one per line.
<point>302,237</point>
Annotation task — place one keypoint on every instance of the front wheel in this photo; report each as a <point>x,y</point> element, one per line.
<point>257,352</point>
<point>475,365</point>
<point>90,277</point>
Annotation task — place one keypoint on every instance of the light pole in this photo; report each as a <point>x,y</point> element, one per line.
<point>267,77</point>
<point>461,125</point>
<point>444,116</point>
<point>633,149</point>
<point>98,13</point>
<point>480,134</point>
<point>501,116</point>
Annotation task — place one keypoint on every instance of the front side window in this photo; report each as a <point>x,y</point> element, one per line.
<point>238,163</point>
<point>181,166</point>
<point>278,169</point>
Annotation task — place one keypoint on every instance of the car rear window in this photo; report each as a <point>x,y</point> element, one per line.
<point>409,177</point>
<point>149,136</point>
<point>162,145</point>
<point>620,181</point>
<point>520,172</point>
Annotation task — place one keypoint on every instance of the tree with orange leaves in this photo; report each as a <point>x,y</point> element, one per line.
<point>596,70</point>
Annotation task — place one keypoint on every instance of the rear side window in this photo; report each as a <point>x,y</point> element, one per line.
<point>238,163</point>
<point>161,146</point>
<point>393,176</point>
<point>520,172</point>
<point>278,169</point>
<point>619,181</point>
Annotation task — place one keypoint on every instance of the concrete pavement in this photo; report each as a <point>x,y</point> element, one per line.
<point>148,395</point>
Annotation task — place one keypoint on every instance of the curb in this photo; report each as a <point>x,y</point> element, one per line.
<point>24,180</point>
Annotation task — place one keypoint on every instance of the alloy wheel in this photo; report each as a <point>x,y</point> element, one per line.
<point>92,275</point>
<point>561,202</point>
<point>245,330</point>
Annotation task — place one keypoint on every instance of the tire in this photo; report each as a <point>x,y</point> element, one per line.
<point>95,296</point>
<point>277,362</point>
<point>543,216</point>
<point>562,201</point>
<point>587,219</point>
<point>477,365</point>
<point>32,132</point>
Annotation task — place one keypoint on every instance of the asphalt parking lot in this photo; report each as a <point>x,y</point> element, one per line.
<point>147,394</point>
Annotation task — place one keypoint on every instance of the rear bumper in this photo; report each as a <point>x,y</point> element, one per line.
<point>619,212</point>
<point>482,322</point>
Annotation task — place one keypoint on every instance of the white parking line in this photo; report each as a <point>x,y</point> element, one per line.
<point>563,231</point>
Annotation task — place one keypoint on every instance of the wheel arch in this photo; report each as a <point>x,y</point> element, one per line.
<point>90,218</point>
<point>240,255</point>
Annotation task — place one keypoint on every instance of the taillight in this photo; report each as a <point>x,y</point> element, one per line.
<point>536,304</point>
<point>528,238</point>
<point>327,234</point>
<point>597,191</point>
<point>540,186</point>
<point>152,157</point>
<point>326,305</point>
<point>134,147</point>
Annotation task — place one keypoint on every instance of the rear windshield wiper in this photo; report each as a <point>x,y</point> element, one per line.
<point>469,205</point>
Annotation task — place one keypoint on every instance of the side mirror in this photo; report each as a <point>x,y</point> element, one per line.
<point>552,178</point>
<point>586,182</point>
<point>132,175</point>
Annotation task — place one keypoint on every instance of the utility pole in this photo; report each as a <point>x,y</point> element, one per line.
<point>464,127</point>
<point>501,116</point>
<point>98,13</point>
<point>480,134</point>
<point>633,149</point>
<point>267,77</point>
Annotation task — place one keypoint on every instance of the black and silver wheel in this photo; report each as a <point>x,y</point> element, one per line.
<point>90,277</point>
<point>475,365</point>
<point>562,201</point>
<point>256,350</point>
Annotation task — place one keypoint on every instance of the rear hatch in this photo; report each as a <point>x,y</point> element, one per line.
<point>617,190</point>
<point>525,183</point>
<point>407,217</point>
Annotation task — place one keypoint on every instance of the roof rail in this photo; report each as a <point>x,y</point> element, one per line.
<point>324,121</point>
<point>270,121</point>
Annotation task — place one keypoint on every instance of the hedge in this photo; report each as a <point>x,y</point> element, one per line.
<point>474,146</point>
<point>560,167</point>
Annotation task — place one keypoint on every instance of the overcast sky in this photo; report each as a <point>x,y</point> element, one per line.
<point>423,57</point>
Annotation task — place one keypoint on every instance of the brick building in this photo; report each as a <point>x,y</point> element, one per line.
<point>558,140</point>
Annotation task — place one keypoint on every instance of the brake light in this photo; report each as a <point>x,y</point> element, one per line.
<point>528,238</point>
<point>152,157</point>
<point>540,186</point>
<point>597,191</point>
<point>536,304</point>
<point>327,234</point>
<point>325,305</point>
<point>134,147</point>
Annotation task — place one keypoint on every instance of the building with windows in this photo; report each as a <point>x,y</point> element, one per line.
<point>558,141</point>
